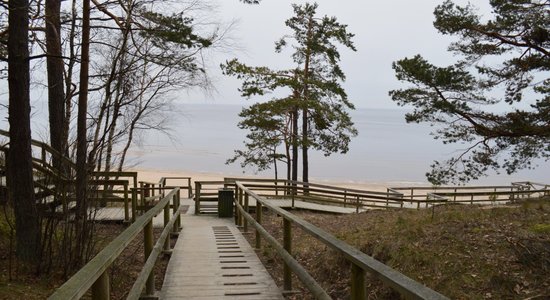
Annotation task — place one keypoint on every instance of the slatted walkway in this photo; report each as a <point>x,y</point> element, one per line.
<point>212,260</point>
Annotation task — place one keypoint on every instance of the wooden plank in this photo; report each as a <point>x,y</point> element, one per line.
<point>212,260</point>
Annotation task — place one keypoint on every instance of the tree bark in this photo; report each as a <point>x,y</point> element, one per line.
<point>81,150</point>
<point>19,160</point>
<point>305,133</point>
<point>56,93</point>
<point>295,144</point>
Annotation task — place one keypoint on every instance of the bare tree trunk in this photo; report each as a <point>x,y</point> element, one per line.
<point>19,160</point>
<point>81,163</point>
<point>56,93</point>
<point>70,87</point>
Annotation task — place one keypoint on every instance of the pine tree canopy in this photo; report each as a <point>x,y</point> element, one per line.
<point>495,99</point>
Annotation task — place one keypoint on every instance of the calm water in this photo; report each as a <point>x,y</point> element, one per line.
<point>387,149</point>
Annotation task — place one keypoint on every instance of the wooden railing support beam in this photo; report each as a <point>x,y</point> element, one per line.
<point>101,289</point>
<point>245,221</point>
<point>197,198</point>
<point>287,244</point>
<point>149,244</point>
<point>259,220</point>
<point>166,249</point>
<point>358,289</point>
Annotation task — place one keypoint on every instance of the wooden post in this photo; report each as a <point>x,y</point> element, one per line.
<point>240,195</point>
<point>236,210</point>
<point>177,224</point>
<point>142,193</point>
<point>126,204</point>
<point>166,221</point>
<point>357,205</point>
<point>148,245</point>
<point>189,188</point>
<point>147,192</point>
<point>259,220</point>
<point>134,204</point>
<point>135,181</point>
<point>101,289</point>
<point>287,244</point>
<point>454,198</point>
<point>245,222</point>
<point>472,199</point>
<point>294,191</point>
<point>345,197</point>
<point>197,198</point>
<point>358,290</point>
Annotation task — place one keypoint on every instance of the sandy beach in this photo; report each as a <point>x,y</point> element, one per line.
<point>154,175</point>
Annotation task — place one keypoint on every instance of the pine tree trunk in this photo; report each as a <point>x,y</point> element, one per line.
<point>55,68</point>
<point>19,160</point>
<point>288,161</point>
<point>305,164</point>
<point>305,133</point>
<point>295,144</point>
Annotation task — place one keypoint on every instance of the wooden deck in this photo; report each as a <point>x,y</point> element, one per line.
<point>287,203</point>
<point>116,214</point>
<point>212,260</point>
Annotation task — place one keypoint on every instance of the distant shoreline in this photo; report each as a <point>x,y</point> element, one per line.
<point>154,175</point>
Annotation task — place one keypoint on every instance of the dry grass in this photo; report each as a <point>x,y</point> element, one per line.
<point>123,272</point>
<point>463,252</point>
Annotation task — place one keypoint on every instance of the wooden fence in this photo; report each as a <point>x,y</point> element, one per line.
<point>95,274</point>
<point>488,194</point>
<point>360,262</point>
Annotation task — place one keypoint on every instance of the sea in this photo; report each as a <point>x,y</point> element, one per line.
<point>387,149</point>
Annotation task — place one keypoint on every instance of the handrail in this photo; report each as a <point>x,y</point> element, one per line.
<point>300,271</point>
<point>334,195</point>
<point>45,147</point>
<point>436,188</point>
<point>93,274</point>
<point>341,189</point>
<point>189,187</point>
<point>472,194</point>
<point>360,261</point>
<point>141,281</point>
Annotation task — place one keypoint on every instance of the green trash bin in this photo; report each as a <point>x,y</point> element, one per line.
<point>225,203</point>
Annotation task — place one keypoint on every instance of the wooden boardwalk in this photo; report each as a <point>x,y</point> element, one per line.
<point>287,203</point>
<point>212,260</point>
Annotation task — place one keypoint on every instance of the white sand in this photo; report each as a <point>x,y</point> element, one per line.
<point>152,175</point>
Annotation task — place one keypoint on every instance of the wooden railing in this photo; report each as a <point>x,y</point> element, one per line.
<point>207,191</point>
<point>95,274</point>
<point>46,154</point>
<point>360,262</point>
<point>488,194</point>
<point>322,194</point>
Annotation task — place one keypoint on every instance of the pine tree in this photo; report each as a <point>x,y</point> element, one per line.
<point>315,83</point>
<point>505,63</point>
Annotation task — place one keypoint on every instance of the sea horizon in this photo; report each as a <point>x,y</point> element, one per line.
<point>386,150</point>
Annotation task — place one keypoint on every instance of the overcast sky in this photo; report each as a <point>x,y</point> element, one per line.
<point>385,31</point>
